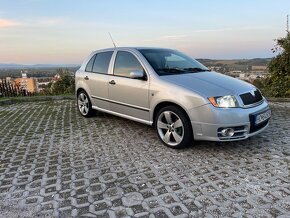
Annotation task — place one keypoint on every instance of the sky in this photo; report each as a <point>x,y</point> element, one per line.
<point>67,31</point>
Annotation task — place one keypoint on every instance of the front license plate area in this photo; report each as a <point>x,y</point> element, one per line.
<point>262,117</point>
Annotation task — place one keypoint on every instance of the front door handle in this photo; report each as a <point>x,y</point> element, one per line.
<point>112,82</point>
<point>86,78</point>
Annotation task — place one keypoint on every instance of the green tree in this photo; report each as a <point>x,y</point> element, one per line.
<point>64,85</point>
<point>259,83</point>
<point>278,84</point>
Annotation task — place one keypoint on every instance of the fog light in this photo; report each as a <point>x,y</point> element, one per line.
<point>228,132</point>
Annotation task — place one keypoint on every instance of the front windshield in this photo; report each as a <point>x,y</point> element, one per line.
<point>167,62</point>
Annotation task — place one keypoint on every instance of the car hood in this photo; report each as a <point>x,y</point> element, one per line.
<point>210,84</point>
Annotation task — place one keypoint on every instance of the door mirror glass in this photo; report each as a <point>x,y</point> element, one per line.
<point>137,74</point>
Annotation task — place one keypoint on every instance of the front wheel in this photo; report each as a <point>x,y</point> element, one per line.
<point>173,127</point>
<point>84,104</point>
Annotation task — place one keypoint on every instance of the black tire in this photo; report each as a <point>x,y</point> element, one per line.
<point>182,135</point>
<point>84,104</point>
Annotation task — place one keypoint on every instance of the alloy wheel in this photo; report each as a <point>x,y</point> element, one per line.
<point>170,128</point>
<point>83,104</point>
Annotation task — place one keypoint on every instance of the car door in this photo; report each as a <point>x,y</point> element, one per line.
<point>97,79</point>
<point>129,96</point>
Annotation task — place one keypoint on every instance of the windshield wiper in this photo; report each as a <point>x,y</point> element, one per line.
<point>195,69</point>
<point>178,70</point>
<point>175,70</point>
<point>172,70</point>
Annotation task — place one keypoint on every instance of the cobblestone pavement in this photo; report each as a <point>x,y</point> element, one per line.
<point>53,162</point>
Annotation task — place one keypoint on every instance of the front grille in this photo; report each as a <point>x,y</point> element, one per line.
<point>248,98</point>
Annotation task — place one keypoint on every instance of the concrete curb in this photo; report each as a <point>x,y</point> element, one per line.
<point>35,98</point>
<point>278,99</point>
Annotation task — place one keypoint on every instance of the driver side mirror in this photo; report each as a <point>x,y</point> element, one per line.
<point>138,74</point>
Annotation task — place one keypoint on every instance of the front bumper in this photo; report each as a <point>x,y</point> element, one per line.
<point>207,122</point>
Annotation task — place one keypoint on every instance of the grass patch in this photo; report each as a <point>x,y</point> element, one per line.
<point>13,100</point>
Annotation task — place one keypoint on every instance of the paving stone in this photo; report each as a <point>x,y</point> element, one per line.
<point>63,165</point>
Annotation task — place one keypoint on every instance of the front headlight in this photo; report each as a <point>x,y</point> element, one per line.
<point>224,101</point>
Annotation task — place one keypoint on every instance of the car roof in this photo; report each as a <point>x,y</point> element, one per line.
<point>128,48</point>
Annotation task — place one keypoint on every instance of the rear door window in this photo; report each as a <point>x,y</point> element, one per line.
<point>102,61</point>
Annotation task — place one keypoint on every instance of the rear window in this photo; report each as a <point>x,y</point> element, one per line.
<point>99,63</point>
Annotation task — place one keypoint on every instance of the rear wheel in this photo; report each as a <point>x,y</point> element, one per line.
<point>173,127</point>
<point>84,104</point>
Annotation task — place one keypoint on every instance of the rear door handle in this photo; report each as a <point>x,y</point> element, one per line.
<point>112,82</point>
<point>86,78</point>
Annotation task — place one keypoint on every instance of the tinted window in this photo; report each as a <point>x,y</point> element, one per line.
<point>126,63</point>
<point>102,62</point>
<point>89,66</point>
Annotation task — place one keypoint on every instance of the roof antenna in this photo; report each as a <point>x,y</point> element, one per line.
<point>112,40</point>
<point>287,24</point>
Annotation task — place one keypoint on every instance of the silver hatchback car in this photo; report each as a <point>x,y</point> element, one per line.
<point>179,96</point>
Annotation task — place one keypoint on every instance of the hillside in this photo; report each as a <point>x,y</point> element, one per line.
<point>249,62</point>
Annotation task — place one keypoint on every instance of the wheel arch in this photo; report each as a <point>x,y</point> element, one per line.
<point>79,89</point>
<point>163,104</point>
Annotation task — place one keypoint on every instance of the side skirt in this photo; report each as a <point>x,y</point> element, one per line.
<point>123,115</point>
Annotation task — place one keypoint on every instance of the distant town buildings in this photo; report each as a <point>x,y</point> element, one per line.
<point>259,68</point>
<point>25,83</point>
<point>21,84</point>
<point>55,77</point>
<point>249,73</point>
<point>31,84</point>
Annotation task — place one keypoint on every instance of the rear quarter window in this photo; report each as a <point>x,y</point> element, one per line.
<point>90,64</point>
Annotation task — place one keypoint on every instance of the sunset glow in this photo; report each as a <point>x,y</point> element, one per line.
<point>50,31</point>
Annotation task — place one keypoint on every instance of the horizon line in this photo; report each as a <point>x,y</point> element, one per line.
<point>58,64</point>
